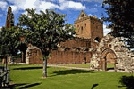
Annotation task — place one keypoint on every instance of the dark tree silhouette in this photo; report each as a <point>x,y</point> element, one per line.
<point>120,18</point>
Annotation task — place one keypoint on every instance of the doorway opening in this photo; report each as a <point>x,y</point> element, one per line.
<point>108,60</point>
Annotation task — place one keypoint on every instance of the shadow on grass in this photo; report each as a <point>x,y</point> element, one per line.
<point>94,85</point>
<point>22,85</point>
<point>29,85</point>
<point>72,71</point>
<point>13,86</point>
<point>28,68</point>
<point>127,81</point>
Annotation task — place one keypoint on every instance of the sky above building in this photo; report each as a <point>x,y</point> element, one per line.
<point>70,8</point>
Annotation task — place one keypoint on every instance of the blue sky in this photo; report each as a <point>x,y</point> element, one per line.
<point>71,8</point>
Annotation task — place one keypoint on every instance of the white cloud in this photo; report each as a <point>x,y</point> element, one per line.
<point>75,5</point>
<point>47,5</point>
<point>23,4</point>
<point>3,4</point>
<point>40,5</point>
<point>29,4</point>
<point>19,3</point>
<point>36,4</point>
<point>14,8</point>
<point>61,1</point>
<point>43,4</point>
<point>70,4</point>
<point>105,30</point>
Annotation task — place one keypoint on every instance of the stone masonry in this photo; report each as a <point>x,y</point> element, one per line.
<point>120,55</point>
<point>79,50</point>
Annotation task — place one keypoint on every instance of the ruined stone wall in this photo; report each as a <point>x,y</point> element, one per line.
<point>113,50</point>
<point>33,55</point>
<point>76,43</point>
<point>69,57</point>
<point>71,51</point>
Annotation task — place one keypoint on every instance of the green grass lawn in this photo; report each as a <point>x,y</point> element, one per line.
<point>30,77</point>
<point>87,65</point>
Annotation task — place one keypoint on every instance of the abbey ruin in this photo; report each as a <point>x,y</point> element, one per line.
<point>89,46</point>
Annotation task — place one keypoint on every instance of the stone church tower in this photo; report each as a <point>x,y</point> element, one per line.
<point>10,18</point>
<point>89,27</point>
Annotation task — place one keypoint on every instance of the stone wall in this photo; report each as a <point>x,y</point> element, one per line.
<point>69,52</point>
<point>69,56</point>
<point>72,51</point>
<point>76,43</point>
<point>33,55</point>
<point>122,57</point>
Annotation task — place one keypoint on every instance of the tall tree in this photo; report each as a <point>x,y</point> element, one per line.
<point>9,41</point>
<point>10,37</point>
<point>120,16</point>
<point>45,31</point>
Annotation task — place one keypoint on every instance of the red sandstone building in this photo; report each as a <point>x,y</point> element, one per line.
<point>89,32</point>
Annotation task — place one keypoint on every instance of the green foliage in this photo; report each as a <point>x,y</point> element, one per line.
<point>46,29</point>
<point>8,41</point>
<point>120,15</point>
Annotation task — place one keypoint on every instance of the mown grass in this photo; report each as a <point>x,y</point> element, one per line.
<point>30,77</point>
<point>87,65</point>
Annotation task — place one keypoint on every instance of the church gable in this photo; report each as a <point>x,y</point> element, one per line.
<point>82,15</point>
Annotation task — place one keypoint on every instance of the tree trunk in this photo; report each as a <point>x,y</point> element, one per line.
<point>23,57</point>
<point>44,68</point>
